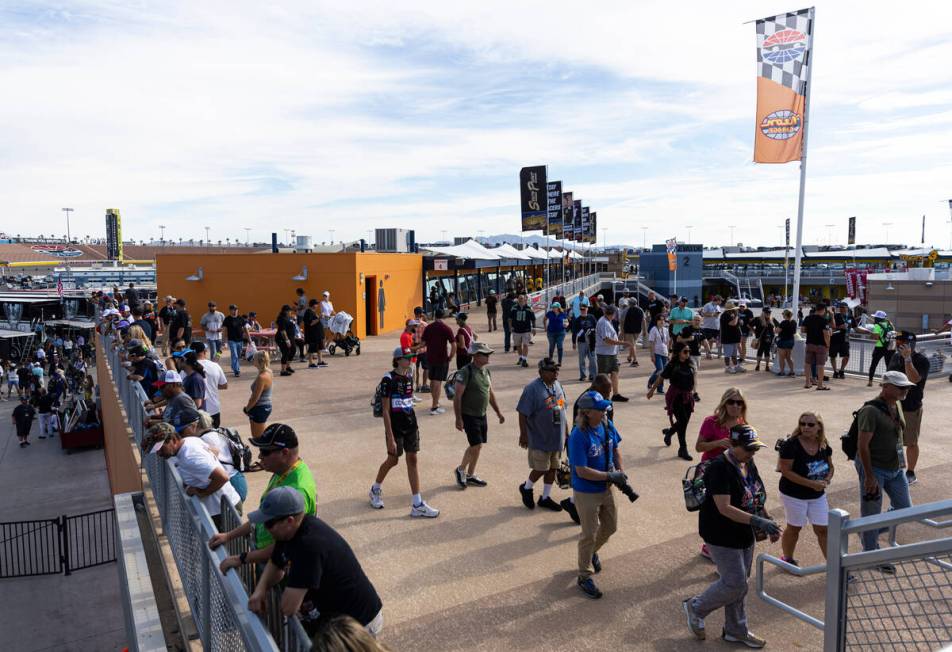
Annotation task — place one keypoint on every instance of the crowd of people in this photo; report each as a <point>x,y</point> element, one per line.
<point>582,453</point>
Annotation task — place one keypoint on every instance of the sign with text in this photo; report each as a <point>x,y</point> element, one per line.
<point>113,234</point>
<point>532,191</point>
<point>554,202</point>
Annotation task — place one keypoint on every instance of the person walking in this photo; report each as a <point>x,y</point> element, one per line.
<point>745,317</point>
<point>215,382</point>
<point>554,324</point>
<point>679,399</point>
<point>916,367</point>
<point>880,425</point>
<point>491,302</point>
<point>606,350</point>
<point>542,429</point>
<point>401,433</point>
<point>45,405</point>
<point>166,313</point>
<point>583,339</point>
<point>843,324</point>
<point>522,323</point>
<point>180,328</point>
<point>437,336</point>
<point>464,340</point>
<point>883,332</point>
<point>733,509</point>
<point>22,416</point>
<point>806,470</point>
<point>211,322</point>
<point>659,338</point>
<point>506,306</point>
<point>764,328</point>
<point>313,335</point>
<point>259,406</point>
<point>680,317</point>
<point>474,394</point>
<point>730,338</point>
<point>596,464</point>
<point>631,327</point>
<point>817,329</point>
<point>235,327</point>
<point>786,331</point>
<point>711,324</point>
<point>286,331</point>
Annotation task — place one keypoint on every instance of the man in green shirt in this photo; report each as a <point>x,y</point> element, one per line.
<point>474,394</point>
<point>680,316</point>
<point>278,454</point>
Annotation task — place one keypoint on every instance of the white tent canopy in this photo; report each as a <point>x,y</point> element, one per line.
<point>506,250</point>
<point>469,249</point>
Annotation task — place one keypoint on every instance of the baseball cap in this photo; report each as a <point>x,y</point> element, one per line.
<point>197,347</point>
<point>481,347</point>
<point>400,353</point>
<point>157,447</point>
<point>555,304</point>
<point>906,336</point>
<point>171,377</point>
<point>897,379</point>
<point>592,400</point>
<point>326,293</point>
<point>277,435</point>
<point>133,344</point>
<point>280,501</point>
<point>682,299</point>
<point>548,364</point>
<point>184,419</point>
<point>880,314</point>
<point>746,436</point>
<point>413,322</point>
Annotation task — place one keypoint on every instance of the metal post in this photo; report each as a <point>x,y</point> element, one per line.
<point>798,252</point>
<point>63,526</point>
<point>837,545</point>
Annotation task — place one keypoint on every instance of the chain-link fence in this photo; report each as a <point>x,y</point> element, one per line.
<point>219,603</point>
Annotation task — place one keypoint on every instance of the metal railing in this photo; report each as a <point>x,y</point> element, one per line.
<point>937,348</point>
<point>543,298</point>
<point>140,609</point>
<point>219,603</point>
<point>57,545</point>
<point>871,610</point>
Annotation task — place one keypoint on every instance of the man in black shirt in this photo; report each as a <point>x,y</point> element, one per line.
<point>816,326</point>
<point>317,564</point>
<point>745,319</point>
<point>132,296</point>
<point>522,322</point>
<point>631,329</point>
<point>138,320</point>
<point>180,328</point>
<point>916,367</point>
<point>234,325</point>
<point>843,323</point>
<point>313,335</point>
<point>654,307</point>
<point>506,304</point>
<point>491,301</point>
<point>730,338</point>
<point>23,416</point>
<point>165,319</point>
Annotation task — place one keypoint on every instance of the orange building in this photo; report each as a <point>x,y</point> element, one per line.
<point>378,290</point>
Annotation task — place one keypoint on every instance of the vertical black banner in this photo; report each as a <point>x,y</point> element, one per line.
<point>788,232</point>
<point>586,225</point>
<point>113,234</point>
<point>568,226</point>
<point>851,236</point>
<point>554,199</point>
<point>594,220</point>
<point>577,220</point>
<point>532,191</point>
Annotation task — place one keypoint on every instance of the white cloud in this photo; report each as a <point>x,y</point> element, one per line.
<point>419,114</point>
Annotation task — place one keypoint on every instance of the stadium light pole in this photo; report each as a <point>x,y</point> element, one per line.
<point>162,233</point>
<point>644,235</point>
<point>829,234</point>
<point>732,227</point>
<point>887,225</point>
<point>207,238</point>
<point>67,211</point>
<point>247,234</point>
<point>689,227</point>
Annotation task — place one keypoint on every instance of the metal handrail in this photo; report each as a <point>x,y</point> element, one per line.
<point>793,570</point>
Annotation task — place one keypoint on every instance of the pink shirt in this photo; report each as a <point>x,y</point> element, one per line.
<point>711,431</point>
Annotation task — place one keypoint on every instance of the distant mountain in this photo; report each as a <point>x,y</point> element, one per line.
<point>535,240</point>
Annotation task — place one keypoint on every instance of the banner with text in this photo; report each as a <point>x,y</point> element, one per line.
<point>532,191</point>
<point>568,226</point>
<point>554,203</point>
<point>113,234</point>
<point>577,220</point>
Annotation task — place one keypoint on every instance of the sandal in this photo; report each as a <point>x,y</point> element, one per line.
<point>823,389</point>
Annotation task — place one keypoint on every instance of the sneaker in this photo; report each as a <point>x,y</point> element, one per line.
<point>417,399</point>
<point>748,639</point>
<point>705,552</point>
<point>285,373</point>
<point>519,362</point>
<point>684,455</point>
<point>569,508</point>
<point>587,586</point>
<point>22,444</point>
<point>322,364</point>
<point>581,379</point>
<point>695,622</point>
<point>42,436</point>
<point>790,560</point>
<point>591,379</point>
<point>525,363</point>
<point>312,366</point>
<point>527,498</point>
<point>376,498</point>
<point>911,477</point>
<point>237,374</point>
<point>437,410</point>
<point>423,511</point>
<point>668,433</point>
<point>425,388</point>
<point>596,563</point>
<point>460,477</point>
<point>729,370</point>
<point>619,398</point>
<point>548,503</point>
<point>886,569</point>
<point>476,481</point>
<point>739,370</point>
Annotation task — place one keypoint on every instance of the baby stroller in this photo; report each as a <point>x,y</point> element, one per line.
<point>344,339</point>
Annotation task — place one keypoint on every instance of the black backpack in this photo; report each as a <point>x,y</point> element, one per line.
<point>850,440</point>
<point>241,455</point>
<point>377,402</point>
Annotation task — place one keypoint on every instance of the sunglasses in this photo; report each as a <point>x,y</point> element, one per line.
<point>271,522</point>
<point>264,452</point>
<point>733,401</point>
<point>804,424</point>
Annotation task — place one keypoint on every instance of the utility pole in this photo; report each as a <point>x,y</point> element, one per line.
<point>207,239</point>
<point>732,227</point>
<point>67,211</point>
<point>162,232</point>
<point>644,235</point>
<point>689,227</point>
<point>247,234</point>
<point>887,225</point>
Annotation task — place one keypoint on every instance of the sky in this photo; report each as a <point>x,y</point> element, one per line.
<point>334,118</point>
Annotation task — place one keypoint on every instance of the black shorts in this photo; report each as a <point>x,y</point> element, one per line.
<point>711,334</point>
<point>438,371</point>
<point>407,440</point>
<point>476,429</point>
<point>840,348</point>
<point>315,347</point>
<point>763,348</point>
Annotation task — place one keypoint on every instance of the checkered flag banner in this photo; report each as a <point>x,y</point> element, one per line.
<point>784,58</point>
<point>784,44</point>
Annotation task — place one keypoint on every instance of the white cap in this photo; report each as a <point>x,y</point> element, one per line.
<point>896,378</point>
<point>171,376</point>
<point>158,445</point>
<point>327,293</point>
<point>880,314</point>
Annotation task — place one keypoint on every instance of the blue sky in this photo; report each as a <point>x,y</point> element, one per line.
<point>315,116</point>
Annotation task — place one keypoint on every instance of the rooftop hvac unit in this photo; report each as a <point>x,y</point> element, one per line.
<point>303,243</point>
<point>395,240</point>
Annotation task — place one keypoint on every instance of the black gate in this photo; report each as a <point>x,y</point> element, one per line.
<point>64,544</point>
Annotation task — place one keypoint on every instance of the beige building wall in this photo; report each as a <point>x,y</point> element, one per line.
<point>908,301</point>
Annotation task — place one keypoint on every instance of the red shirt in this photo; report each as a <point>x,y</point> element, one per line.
<point>711,431</point>
<point>406,342</point>
<point>437,337</point>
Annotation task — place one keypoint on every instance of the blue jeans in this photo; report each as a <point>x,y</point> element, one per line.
<point>894,485</point>
<point>555,342</point>
<point>214,348</point>
<point>234,351</point>
<point>659,363</point>
<point>586,360</point>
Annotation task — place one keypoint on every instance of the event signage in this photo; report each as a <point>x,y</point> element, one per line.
<point>532,190</point>
<point>568,226</point>
<point>788,233</point>
<point>593,218</point>
<point>113,234</point>
<point>851,236</point>
<point>784,52</point>
<point>440,264</point>
<point>577,219</point>
<point>554,203</point>
<point>586,225</point>
<point>671,247</point>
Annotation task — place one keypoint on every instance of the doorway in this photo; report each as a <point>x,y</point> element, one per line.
<point>370,305</point>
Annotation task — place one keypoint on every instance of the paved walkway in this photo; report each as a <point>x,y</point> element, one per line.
<point>489,574</point>
<point>54,612</point>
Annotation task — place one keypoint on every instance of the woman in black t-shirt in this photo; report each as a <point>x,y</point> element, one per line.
<point>806,467</point>
<point>679,399</point>
<point>764,333</point>
<point>786,330</point>
<point>284,337</point>
<point>733,509</point>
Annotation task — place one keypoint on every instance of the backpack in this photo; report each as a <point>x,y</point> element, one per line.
<point>377,401</point>
<point>449,387</point>
<point>241,455</point>
<point>695,493</point>
<point>850,439</point>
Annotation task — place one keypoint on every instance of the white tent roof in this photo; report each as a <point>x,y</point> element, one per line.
<point>506,250</point>
<point>538,254</point>
<point>575,255</point>
<point>469,249</point>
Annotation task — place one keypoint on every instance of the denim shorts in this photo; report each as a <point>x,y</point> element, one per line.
<point>784,344</point>
<point>259,413</point>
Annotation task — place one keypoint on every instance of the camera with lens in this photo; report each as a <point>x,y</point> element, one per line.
<point>627,489</point>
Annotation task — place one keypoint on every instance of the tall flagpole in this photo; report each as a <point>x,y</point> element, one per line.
<point>798,252</point>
